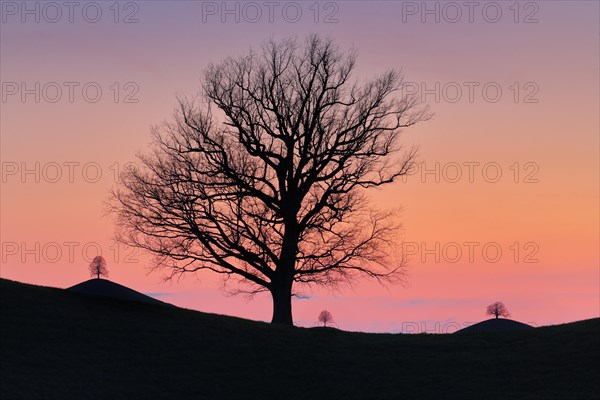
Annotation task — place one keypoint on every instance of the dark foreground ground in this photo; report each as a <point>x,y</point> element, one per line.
<point>62,345</point>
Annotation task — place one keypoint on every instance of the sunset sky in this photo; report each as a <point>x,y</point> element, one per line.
<point>509,163</point>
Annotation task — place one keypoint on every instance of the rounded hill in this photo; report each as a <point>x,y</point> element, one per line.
<point>495,325</point>
<point>106,288</point>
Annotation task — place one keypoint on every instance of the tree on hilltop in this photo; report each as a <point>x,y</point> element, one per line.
<point>498,309</point>
<point>98,267</point>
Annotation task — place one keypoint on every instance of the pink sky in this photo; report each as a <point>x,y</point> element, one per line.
<point>541,135</point>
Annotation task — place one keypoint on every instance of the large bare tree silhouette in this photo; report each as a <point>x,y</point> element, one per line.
<point>266,183</point>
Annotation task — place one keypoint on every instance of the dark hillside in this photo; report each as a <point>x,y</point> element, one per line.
<point>106,288</point>
<point>495,325</point>
<point>57,344</point>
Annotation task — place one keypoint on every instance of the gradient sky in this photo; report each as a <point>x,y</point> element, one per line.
<point>541,134</point>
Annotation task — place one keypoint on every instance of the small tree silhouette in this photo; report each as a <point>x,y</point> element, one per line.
<point>325,317</point>
<point>498,309</point>
<point>98,267</point>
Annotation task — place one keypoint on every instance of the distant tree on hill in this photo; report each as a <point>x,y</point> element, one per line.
<point>325,317</point>
<point>498,309</point>
<point>98,267</point>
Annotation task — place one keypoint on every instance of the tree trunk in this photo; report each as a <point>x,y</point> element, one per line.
<point>284,274</point>
<point>282,304</point>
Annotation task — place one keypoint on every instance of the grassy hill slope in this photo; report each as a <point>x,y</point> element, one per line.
<point>106,288</point>
<point>64,345</point>
<point>494,325</point>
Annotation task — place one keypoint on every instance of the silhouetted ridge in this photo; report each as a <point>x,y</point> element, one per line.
<point>495,325</point>
<point>106,288</point>
<point>57,344</point>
